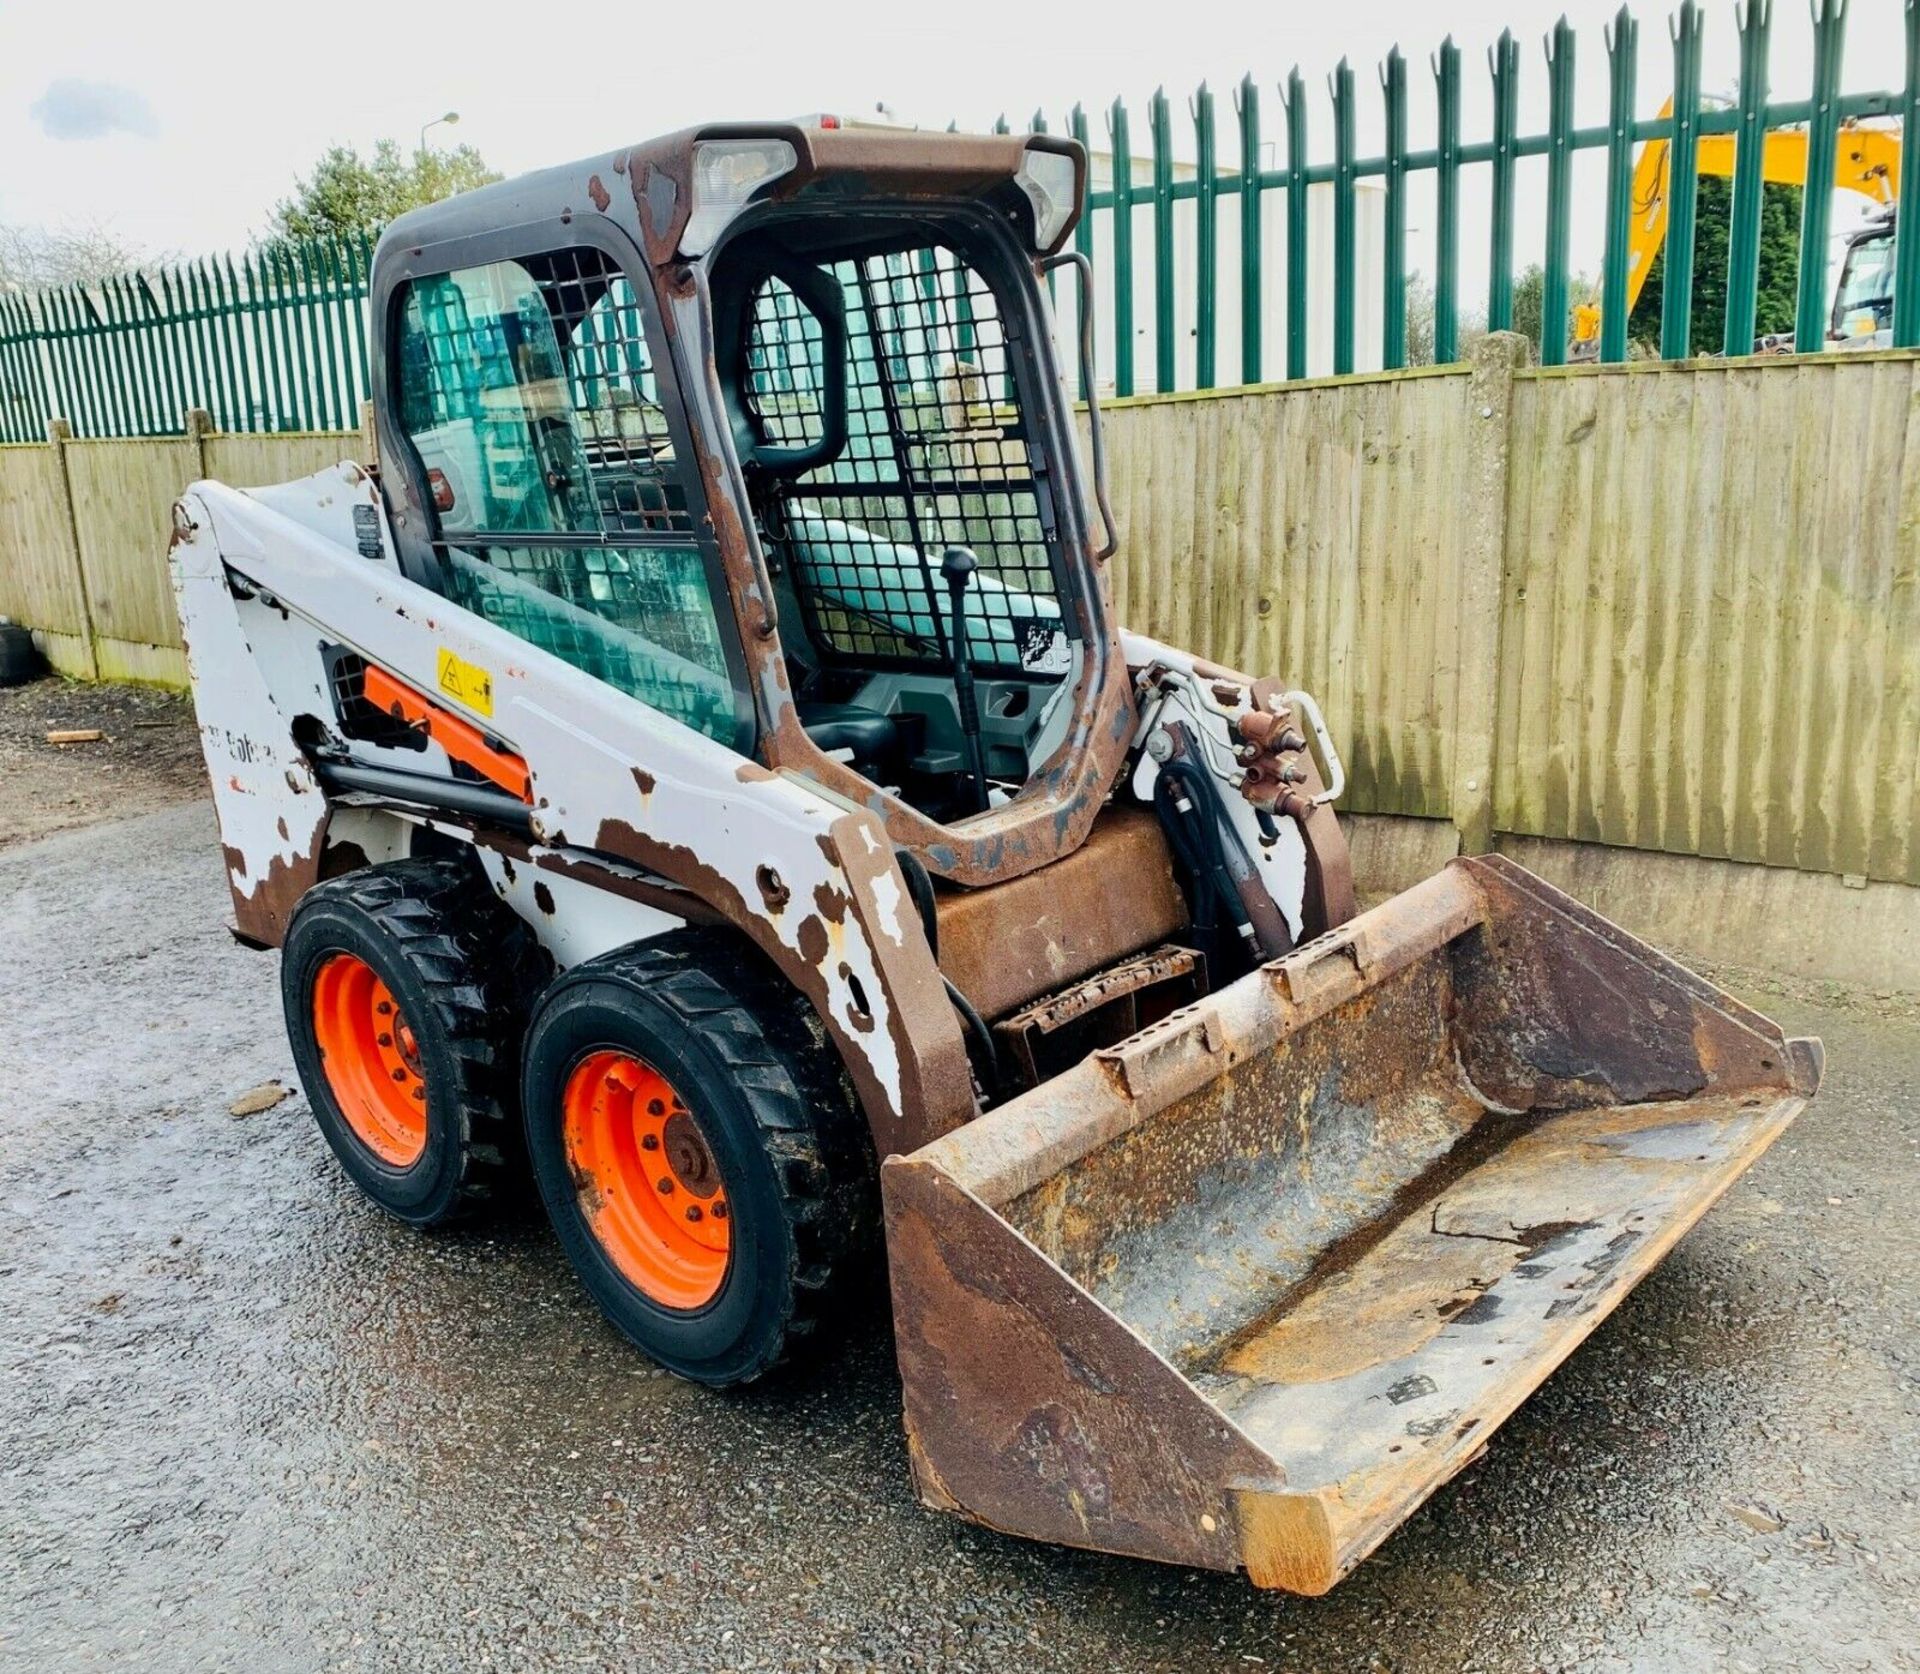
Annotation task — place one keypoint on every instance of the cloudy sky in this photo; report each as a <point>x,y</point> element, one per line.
<point>180,125</point>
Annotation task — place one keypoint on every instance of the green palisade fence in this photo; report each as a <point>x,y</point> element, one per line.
<point>1190,299</point>
<point>276,340</point>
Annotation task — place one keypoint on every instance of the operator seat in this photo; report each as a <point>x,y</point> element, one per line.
<point>873,737</point>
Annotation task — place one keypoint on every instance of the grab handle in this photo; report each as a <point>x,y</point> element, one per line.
<point>1330,764</point>
<point>1084,269</point>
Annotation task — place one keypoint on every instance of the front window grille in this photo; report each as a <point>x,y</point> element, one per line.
<point>939,454</point>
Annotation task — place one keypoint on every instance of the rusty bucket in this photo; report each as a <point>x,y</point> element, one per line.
<point>1242,1291</point>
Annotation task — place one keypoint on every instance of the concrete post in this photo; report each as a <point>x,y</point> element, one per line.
<point>199,427</point>
<point>1495,359</point>
<point>59,434</point>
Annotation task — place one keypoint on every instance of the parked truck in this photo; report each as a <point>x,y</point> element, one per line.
<point>699,770</point>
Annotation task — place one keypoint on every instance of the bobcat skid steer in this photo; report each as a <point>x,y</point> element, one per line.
<point>699,769</point>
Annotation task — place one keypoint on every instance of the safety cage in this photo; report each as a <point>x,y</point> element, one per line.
<point>885,390</point>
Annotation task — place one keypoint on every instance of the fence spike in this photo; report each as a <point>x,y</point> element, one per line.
<point>1293,99</point>
<point>1345,214</point>
<point>1393,335</point>
<point>1446,260</point>
<point>1906,250</point>
<point>1122,154</point>
<point>1683,185</point>
<point>1816,207</point>
<point>1554,285</point>
<point>1503,62</point>
<point>1623,52</point>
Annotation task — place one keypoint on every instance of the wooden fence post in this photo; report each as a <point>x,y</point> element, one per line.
<point>1494,359</point>
<point>59,434</point>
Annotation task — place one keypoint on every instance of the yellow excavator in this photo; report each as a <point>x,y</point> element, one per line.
<point>1867,162</point>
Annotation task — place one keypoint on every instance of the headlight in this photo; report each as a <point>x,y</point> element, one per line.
<point>1047,177</point>
<point>726,174</point>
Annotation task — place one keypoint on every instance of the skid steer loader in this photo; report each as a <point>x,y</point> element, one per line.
<point>698,768</point>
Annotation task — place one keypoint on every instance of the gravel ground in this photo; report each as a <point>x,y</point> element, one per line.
<point>148,756</point>
<point>251,1424</point>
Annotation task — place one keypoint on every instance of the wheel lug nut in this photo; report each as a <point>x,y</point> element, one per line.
<point>421,1094</point>
<point>384,1007</point>
<point>719,1209</point>
<point>666,1186</point>
<point>384,1040</point>
<point>649,1142</point>
<point>399,1075</point>
<point>693,1211</point>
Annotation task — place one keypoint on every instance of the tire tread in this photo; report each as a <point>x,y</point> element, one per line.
<point>805,1114</point>
<point>481,968</point>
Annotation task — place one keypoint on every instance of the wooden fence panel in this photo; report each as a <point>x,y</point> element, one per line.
<point>1711,641</point>
<point>123,495</point>
<point>251,461</point>
<point>37,581</point>
<point>1312,532</point>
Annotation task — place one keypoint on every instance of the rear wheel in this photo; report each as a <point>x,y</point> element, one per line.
<point>699,1151</point>
<point>406,988</point>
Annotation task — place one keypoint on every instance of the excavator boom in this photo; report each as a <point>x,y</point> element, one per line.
<point>1867,162</point>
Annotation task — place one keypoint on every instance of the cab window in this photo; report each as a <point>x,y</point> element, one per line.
<point>527,390</point>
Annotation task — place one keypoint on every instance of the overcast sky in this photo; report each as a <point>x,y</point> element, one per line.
<point>179,125</point>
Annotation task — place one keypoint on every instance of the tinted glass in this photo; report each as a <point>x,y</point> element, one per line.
<point>528,391</point>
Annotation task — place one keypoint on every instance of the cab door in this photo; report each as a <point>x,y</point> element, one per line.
<point>547,460</point>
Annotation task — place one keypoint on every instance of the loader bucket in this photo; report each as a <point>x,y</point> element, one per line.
<point>1245,1289</point>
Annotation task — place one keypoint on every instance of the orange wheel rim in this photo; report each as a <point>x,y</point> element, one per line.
<point>648,1184</point>
<point>371,1059</point>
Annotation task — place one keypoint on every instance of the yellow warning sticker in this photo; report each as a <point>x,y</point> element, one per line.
<point>466,682</point>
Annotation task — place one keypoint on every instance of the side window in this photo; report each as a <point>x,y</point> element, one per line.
<point>528,392</point>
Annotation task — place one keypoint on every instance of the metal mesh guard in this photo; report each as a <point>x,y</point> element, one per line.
<point>938,455</point>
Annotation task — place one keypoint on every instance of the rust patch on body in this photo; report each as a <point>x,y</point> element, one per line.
<point>935,1081</point>
<point>263,906</point>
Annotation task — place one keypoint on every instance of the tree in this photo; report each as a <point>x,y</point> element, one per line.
<point>1530,298</point>
<point>34,258</point>
<point>1779,268</point>
<point>1420,319</point>
<point>350,195</point>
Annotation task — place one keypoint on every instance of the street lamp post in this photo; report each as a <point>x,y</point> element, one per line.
<point>450,119</point>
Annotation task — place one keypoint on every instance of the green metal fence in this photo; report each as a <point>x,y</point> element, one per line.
<point>1108,232</point>
<point>275,341</point>
<point>278,341</point>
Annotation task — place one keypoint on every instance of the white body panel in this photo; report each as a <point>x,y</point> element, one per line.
<point>581,738</point>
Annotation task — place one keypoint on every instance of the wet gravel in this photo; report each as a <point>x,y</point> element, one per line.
<point>247,1423</point>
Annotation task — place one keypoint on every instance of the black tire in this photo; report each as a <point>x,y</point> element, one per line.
<point>777,1113</point>
<point>19,660</point>
<point>463,971</point>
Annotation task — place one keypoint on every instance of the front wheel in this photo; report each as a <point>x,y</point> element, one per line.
<point>699,1152</point>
